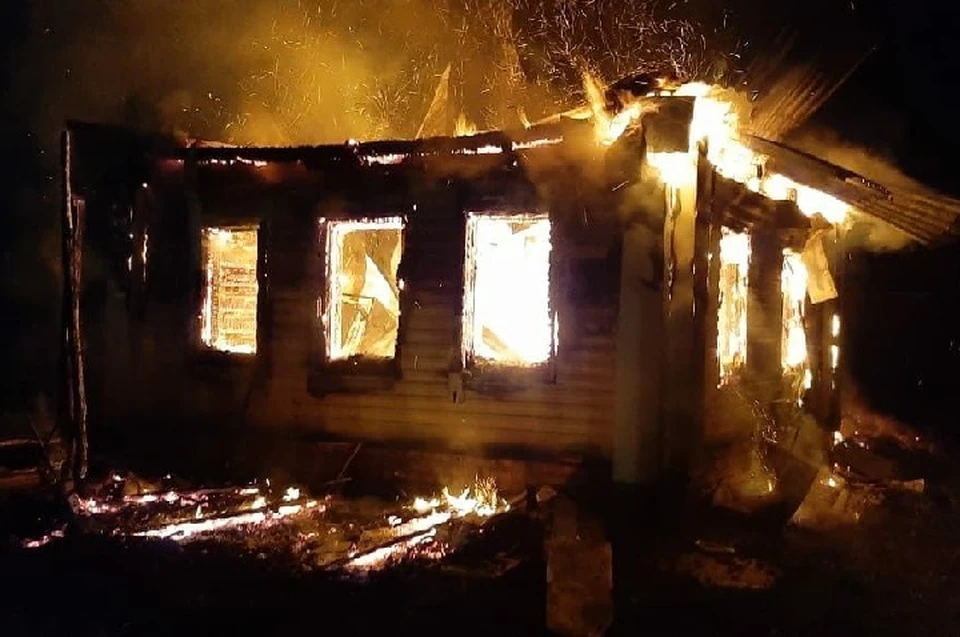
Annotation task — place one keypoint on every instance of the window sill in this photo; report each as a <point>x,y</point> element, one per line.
<point>501,379</point>
<point>205,357</point>
<point>355,376</point>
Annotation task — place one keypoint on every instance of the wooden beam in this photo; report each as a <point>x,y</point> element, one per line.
<point>682,389</point>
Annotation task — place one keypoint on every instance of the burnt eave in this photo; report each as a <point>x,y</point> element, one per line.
<point>927,216</point>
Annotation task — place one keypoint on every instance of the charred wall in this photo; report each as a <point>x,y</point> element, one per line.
<point>150,378</point>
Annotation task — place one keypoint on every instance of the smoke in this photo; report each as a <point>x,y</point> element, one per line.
<point>870,233</point>
<point>319,71</point>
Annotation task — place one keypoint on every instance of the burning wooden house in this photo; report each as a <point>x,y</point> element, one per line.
<point>607,287</point>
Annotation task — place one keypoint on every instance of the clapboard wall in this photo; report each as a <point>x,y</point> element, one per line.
<point>146,372</point>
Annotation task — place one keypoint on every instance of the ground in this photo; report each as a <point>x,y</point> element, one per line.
<point>892,573</point>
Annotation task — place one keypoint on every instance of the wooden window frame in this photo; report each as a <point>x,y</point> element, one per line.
<point>478,373</point>
<point>201,351</point>
<point>356,374</point>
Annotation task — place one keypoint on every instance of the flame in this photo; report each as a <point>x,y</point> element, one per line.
<point>481,500</point>
<point>793,348</point>
<point>732,314</point>
<point>676,169</point>
<point>609,127</point>
<point>464,127</point>
<point>809,200</point>
<point>835,348</point>
<point>716,124</point>
<point>536,143</point>
<point>205,508</point>
<point>229,310</point>
<point>507,317</point>
<point>144,250</point>
<point>386,159</point>
<point>198,514</point>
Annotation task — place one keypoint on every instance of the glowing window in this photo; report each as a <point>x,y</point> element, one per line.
<point>228,316</point>
<point>507,318</point>
<point>363,292</point>
<point>732,313</point>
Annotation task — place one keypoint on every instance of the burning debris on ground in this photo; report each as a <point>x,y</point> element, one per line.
<point>335,532</point>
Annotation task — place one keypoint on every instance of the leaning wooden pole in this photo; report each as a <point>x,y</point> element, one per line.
<point>73,404</point>
<point>79,386</point>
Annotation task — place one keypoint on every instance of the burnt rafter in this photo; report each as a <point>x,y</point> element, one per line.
<point>925,215</point>
<point>740,208</point>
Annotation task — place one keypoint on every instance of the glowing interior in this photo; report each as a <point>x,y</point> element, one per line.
<point>229,311</point>
<point>793,350</point>
<point>363,292</point>
<point>507,317</point>
<point>732,313</point>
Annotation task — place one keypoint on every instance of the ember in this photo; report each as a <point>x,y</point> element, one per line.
<point>333,534</point>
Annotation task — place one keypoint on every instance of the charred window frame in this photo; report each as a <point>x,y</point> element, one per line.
<point>733,284</point>
<point>232,334</point>
<point>495,287</point>
<point>357,344</point>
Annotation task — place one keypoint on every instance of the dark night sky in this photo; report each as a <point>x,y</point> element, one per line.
<point>903,98</point>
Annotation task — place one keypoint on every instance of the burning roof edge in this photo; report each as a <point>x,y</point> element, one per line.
<point>491,142</point>
<point>921,212</point>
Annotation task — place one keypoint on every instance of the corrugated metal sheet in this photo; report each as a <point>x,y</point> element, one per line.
<point>926,215</point>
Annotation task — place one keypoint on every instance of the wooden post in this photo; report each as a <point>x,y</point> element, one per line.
<point>825,344</point>
<point>682,388</point>
<point>73,410</point>
<point>837,336</point>
<point>764,316</point>
<point>706,273</point>
<point>640,334</point>
<point>66,407</point>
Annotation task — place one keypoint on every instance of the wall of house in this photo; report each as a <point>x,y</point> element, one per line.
<point>148,374</point>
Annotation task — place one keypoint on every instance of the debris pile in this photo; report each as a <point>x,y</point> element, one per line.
<point>865,466</point>
<point>727,571</point>
<point>334,533</point>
